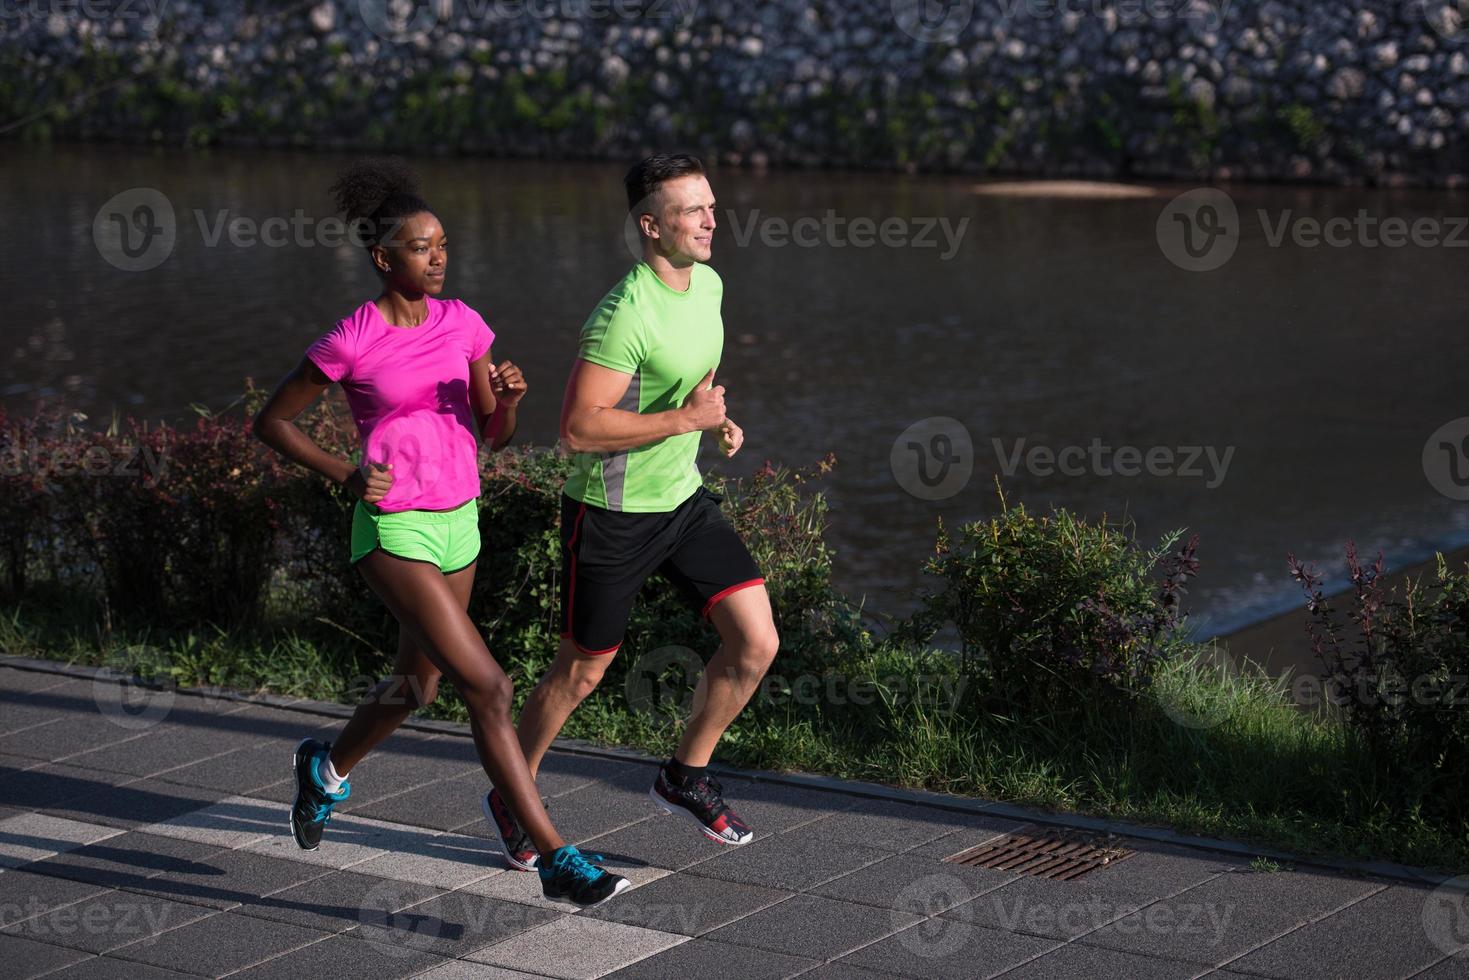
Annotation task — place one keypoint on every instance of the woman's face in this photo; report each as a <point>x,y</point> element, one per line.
<point>415,254</point>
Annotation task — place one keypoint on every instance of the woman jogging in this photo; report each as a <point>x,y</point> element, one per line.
<point>423,391</point>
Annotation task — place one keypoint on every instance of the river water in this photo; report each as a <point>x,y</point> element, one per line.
<point>1036,322</point>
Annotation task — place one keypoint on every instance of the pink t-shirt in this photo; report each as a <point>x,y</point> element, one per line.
<point>408,388</point>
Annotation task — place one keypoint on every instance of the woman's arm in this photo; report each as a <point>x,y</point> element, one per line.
<point>275,425</point>
<point>495,394</point>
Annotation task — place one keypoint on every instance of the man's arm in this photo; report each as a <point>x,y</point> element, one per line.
<point>590,423</point>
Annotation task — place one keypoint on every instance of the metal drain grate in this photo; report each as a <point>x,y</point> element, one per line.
<point>1064,855</point>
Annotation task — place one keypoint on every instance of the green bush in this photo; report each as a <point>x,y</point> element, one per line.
<point>1054,610</point>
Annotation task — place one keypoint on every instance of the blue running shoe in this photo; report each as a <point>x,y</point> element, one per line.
<point>567,874</point>
<point>313,807</point>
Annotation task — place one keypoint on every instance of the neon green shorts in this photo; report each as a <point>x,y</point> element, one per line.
<point>446,538</point>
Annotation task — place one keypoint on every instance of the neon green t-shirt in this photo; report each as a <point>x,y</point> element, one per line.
<point>668,341</point>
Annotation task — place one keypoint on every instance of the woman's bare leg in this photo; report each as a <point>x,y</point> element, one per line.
<point>431,614</point>
<point>413,684</point>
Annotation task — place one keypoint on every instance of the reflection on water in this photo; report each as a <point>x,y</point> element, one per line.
<point>1057,323</point>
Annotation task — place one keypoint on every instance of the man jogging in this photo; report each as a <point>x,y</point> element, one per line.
<point>640,394</point>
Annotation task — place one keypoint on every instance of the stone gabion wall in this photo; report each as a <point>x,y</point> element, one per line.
<point>1373,91</point>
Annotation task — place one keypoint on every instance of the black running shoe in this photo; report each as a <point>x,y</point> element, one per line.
<point>566,874</point>
<point>701,801</point>
<point>520,853</point>
<point>312,809</point>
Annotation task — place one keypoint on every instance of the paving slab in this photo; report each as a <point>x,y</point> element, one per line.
<point>466,970</point>
<point>900,827</point>
<point>338,901</point>
<point>1067,909</point>
<point>1455,967</point>
<point>1229,915</point>
<point>706,958</point>
<point>27,681</point>
<point>660,841</point>
<point>25,958</point>
<point>814,928</point>
<point>24,895</point>
<point>1076,960</point>
<point>456,924</point>
<point>82,732</point>
<point>45,784</point>
<point>942,949</point>
<point>133,804</point>
<point>793,861</point>
<point>222,943</point>
<point>111,968</point>
<point>107,921</point>
<point>36,836</point>
<point>445,860</point>
<point>345,958</point>
<point>577,948</point>
<point>234,822</point>
<point>400,764</point>
<point>227,879</point>
<point>125,860</point>
<point>166,747</point>
<point>593,811</point>
<point>687,904</point>
<point>247,769</point>
<point>1333,946</point>
<point>920,885</point>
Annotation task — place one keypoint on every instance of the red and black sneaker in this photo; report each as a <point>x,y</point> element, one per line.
<point>701,801</point>
<point>520,853</point>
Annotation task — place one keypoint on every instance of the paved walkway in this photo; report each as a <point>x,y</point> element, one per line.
<point>149,840</point>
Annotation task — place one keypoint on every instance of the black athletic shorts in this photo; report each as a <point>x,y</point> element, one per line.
<point>606,555</point>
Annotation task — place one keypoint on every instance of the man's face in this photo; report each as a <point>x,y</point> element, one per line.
<point>682,225</point>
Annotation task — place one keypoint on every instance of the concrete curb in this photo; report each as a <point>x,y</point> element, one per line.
<point>827,784</point>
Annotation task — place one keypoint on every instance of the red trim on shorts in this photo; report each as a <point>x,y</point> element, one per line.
<point>591,653</point>
<point>709,606</point>
<point>571,553</point>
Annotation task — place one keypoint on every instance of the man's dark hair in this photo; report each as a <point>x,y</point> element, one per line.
<point>645,176</point>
